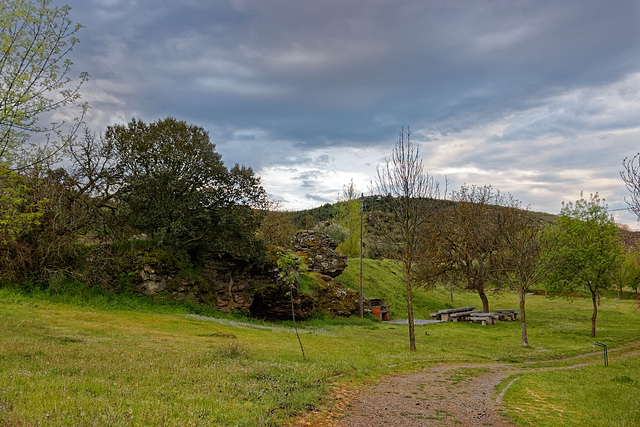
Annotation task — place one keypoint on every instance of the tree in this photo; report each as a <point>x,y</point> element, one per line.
<point>277,227</point>
<point>34,81</point>
<point>402,177</point>
<point>34,69</point>
<point>348,212</point>
<point>471,241</point>
<point>176,187</point>
<point>291,266</point>
<point>629,274</point>
<point>631,177</point>
<point>587,251</point>
<point>519,257</point>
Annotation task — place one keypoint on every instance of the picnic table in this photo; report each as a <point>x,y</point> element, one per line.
<point>445,314</point>
<point>462,316</point>
<point>507,314</point>
<point>470,314</point>
<point>484,318</point>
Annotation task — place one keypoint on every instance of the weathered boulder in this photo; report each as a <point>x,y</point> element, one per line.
<point>234,282</point>
<point>320,251</point>
<point>334,299</point>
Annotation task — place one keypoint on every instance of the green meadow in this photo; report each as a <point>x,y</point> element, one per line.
<point>80,357</point>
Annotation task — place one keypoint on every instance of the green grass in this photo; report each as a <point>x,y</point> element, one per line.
<point>80,357</point>
<point>383,279</point>
<point>593,395</point>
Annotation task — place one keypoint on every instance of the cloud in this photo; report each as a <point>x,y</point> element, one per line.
<point>537,97</point>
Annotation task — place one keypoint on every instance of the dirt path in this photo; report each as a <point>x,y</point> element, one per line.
<point>451,395</point>
<point>438,396</point>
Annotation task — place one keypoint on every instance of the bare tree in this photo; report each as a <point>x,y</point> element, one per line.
<point>402,177</point>
<point>470,240</point>
<point>519,257</point>
<point>631,177</point>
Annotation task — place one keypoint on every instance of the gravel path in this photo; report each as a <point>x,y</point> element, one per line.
<point>449,395</point>
<point>438,396</point>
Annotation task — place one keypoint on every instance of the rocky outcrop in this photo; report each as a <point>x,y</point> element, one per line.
<point>320,252</point>
<point>244,287</point>
<point>334,299</point>
<point>273,302</point>
<point>234,282</point>
<point>241,286</point>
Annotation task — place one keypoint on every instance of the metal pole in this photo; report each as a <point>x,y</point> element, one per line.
<point>606,357</point>
<point>361,253</point>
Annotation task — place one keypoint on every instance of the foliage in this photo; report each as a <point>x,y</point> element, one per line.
<point>307,219</point>
<point>35,42</point>
<point>175,186</point>
<point>50,246</point>
<point>348,212</point>
<point>337,232</point>
<point>18,211</point>
<point>34,67</point>
<point>277,227</point>
<point>629,273</point>
<point>587,250</point>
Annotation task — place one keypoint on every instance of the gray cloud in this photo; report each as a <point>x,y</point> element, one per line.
<point>504,89</point>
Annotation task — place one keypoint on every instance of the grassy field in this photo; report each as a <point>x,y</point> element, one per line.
<point>94,359</point>
<point>592,395</point>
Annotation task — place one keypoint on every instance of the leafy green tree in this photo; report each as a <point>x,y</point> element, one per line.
<point>18,211</point>
<point>176,187</point>
<point>629,274</point>
<point>348,213</point>
<point>587,251</point>
<point>35,41</point>
<point>34,69</point>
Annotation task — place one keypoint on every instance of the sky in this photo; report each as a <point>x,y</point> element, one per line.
<point>538,98</point>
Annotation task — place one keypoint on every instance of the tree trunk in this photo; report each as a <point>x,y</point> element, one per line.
<point>412,336</point>
<point>295,325</point>
<point>523,321</point>
<point>484,299</point>
<point>594,299</point>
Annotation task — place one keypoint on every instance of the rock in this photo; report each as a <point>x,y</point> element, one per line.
<point>273,302</point>
<point>334,299</point>
<point>233,282</point>
<point>319,249</point>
